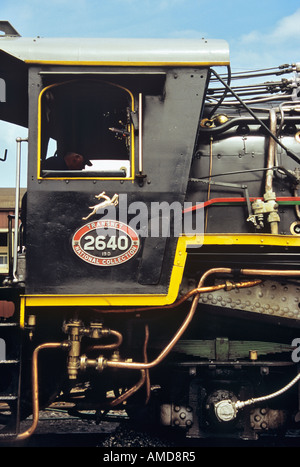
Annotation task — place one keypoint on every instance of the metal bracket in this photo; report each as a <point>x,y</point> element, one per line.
<point>5,156</point>
<point>229,185</point>
<point>8,30</point>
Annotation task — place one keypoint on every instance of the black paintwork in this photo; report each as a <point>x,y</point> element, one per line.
<point>55,207</point>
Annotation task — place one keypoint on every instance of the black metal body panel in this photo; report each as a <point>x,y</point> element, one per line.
<point>244,256</point>
<point>55,208</point>
<point>14,108</point>
<point>52,266</point>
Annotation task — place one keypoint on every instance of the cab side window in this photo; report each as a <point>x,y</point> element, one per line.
<point>91,118</point>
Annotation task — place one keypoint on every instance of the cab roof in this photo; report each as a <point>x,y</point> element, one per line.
<point>106,51</point>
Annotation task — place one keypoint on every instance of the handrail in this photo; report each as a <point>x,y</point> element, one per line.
<point>17,207</point>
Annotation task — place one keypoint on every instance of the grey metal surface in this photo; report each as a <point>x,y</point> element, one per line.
<point>159,51</point>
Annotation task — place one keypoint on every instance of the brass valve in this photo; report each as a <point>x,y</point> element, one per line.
<point>217,120</point>
<point>76,329</point>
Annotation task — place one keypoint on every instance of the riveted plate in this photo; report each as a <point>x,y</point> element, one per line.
<point>267,298</point>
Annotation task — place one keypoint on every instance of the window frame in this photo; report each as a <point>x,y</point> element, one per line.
<point>131,159</point>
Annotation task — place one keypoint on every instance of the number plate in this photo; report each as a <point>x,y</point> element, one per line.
<point>105,243</point>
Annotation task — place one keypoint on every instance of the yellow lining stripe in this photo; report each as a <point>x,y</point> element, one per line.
<point>176,276</point>
<point>252,239</point>
<point>22,312</point>
<point>120,300</point>
<point>127,64</point>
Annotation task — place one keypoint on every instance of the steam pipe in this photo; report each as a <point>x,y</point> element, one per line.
<point>270,272</point>
<point>166,350</point>
<point>144,378</point>
<point>269,195</point>
<point>180,301</point>
<point>242,404</point>
<point>115,345</point>
<point>35,387</point>
<point>226,410</point>
<point>290,153</point>
<point>189,317</point>
<point>297,206</point>
<point>237,121</point>
<point>271,153</point>
<point>130,391</point>
<point>147,375</point>
<point>162,355</point>
<point>177,336</point>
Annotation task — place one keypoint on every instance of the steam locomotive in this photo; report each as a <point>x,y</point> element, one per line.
<point>160,275</point>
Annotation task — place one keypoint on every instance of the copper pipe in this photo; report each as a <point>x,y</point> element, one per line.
<point>209,185</point>
<point>139,384</point>
<point>179,302</point>
<point>148,386</point>
<point>271,152</point>
<point>35,388</point>
<point>253,272</point>
<point>270,272</point>
<point>130,391</point>
<point>115,345</point>
<point>168,348</point>
<point>185,324</point>
<point>162,355</point>
<point>272,161</point>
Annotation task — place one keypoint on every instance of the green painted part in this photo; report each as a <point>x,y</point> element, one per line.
<point>222,349</point>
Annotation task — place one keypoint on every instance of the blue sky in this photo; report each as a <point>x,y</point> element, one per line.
<point>260,33</point>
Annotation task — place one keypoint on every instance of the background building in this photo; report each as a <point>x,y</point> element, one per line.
<point>7,207</point>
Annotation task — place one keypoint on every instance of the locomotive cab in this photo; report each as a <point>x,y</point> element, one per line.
<point>126,120</point>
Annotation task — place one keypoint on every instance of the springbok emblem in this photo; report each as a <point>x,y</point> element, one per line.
<point>104,204</point>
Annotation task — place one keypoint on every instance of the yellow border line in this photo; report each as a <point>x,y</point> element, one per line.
<point>176,276</point>
<point>82,178</point>
<point>252,239</point>
<point>120,300</point>
<point>22,312</point>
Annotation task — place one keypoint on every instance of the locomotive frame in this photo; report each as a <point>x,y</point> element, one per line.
<point>206,316</point>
